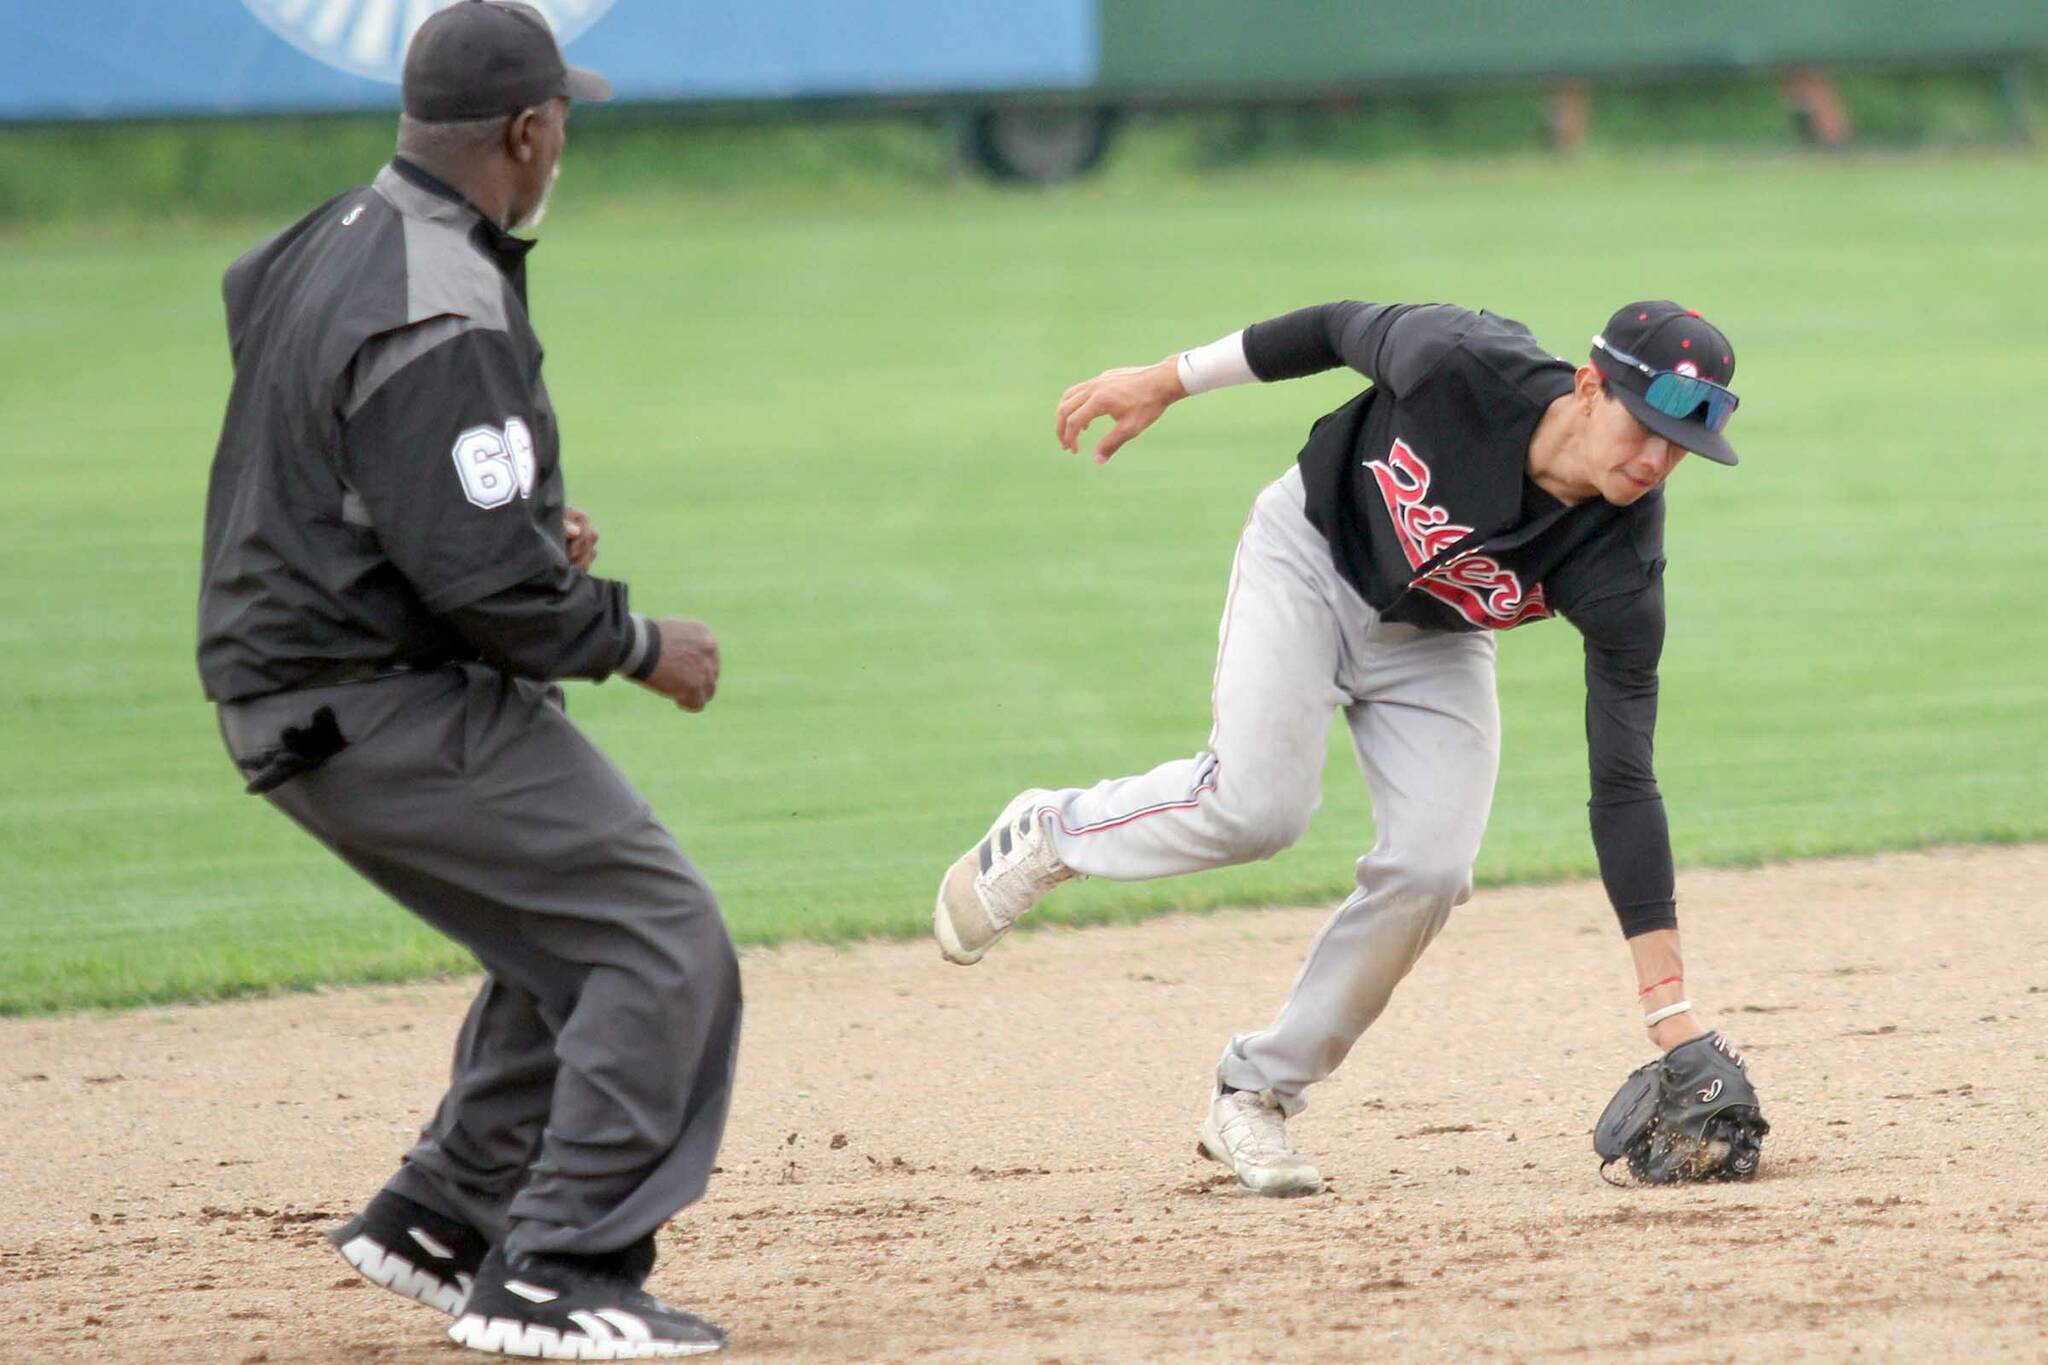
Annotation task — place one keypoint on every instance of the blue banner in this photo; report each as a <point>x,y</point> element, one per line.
<point>106,58</point>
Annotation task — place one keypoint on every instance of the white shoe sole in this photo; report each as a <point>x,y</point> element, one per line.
<point>388,1270</point>
<point>1269,1185</point>
<point>950,946</point>
<point>504,1337</point>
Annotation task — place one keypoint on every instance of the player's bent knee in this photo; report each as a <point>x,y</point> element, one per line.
<point>1261,828</point>
<point>1444,883</point>
<point>1432,881</point>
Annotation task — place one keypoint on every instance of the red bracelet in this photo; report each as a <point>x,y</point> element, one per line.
<point>1655,984</point>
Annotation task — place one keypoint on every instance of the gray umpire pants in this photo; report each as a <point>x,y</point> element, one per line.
<point>1297,644</point>
<point>594,1071</point>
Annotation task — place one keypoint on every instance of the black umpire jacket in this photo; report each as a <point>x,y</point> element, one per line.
<point>387,490</point>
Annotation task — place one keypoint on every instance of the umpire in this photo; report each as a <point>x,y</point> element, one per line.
<point>392,584</point>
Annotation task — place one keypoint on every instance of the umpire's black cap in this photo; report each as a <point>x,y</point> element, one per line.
<point>482,58</point>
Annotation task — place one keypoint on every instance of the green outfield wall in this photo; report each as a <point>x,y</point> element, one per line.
<point>1217,46</point>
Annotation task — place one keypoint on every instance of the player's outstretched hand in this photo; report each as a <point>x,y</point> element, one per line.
<point>688,671</point>
<point>1132,395</point>
<point>579,537</point>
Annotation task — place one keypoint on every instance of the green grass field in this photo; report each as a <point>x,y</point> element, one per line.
<point>822,422</point>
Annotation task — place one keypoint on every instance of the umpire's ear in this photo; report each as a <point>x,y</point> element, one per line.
<point>523,132</point>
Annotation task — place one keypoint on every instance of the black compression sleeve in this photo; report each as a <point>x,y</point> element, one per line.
<point>1306,341</point>
<point>1395,345</point>
<point>1634,845</point>
<point>1624,639</point>
<point>559,624</point>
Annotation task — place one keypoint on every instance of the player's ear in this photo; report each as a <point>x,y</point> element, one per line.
<point>1589,386</point>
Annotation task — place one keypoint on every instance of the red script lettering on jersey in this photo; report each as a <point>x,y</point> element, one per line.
<point>1476,586</point>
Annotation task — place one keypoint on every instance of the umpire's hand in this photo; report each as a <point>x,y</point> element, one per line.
<point>687,673</point>
<point>579,537</point>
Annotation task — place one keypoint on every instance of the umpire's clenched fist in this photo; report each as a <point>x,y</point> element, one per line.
<point>687,671</point>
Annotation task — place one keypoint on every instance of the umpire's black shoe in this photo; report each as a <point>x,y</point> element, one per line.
<point>412,1250</point>
<point>576,1308</point>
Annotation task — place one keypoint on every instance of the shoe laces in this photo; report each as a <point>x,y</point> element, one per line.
<point>1255,1128</point>
<point>1021,873</point>
<point>1727,1049</point>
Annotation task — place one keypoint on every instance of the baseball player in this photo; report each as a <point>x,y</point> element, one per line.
<point>1479,483</point>
<point>392,584</point>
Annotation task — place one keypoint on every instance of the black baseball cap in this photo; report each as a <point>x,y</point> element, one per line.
<point>1670,368</point>
<point>483,58</point>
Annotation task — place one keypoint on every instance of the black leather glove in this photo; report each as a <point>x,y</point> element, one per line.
<point>1690,1115</point>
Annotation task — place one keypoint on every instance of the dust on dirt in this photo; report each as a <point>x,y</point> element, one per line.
<point>998,1163</point>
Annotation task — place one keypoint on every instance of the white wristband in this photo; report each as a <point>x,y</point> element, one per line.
<point>1218,365</point>
<point>1656,1017</point>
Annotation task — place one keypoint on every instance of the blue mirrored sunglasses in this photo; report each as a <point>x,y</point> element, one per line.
<point>1680,395</point>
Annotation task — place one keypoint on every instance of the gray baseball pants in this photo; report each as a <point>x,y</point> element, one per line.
<point>593,1073</point>
<point>1298,643</point>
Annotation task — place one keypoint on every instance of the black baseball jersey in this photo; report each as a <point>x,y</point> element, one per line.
<point>1420,484</point>
<point>387,491</point>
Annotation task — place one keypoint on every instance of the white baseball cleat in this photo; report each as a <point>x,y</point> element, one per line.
<point>992,884</point>
<point>1247,1131</point>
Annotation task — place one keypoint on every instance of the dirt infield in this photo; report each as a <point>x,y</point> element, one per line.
<point>997,1163</point>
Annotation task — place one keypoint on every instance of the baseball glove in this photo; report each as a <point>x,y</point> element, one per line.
<point>1690,1115</point>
